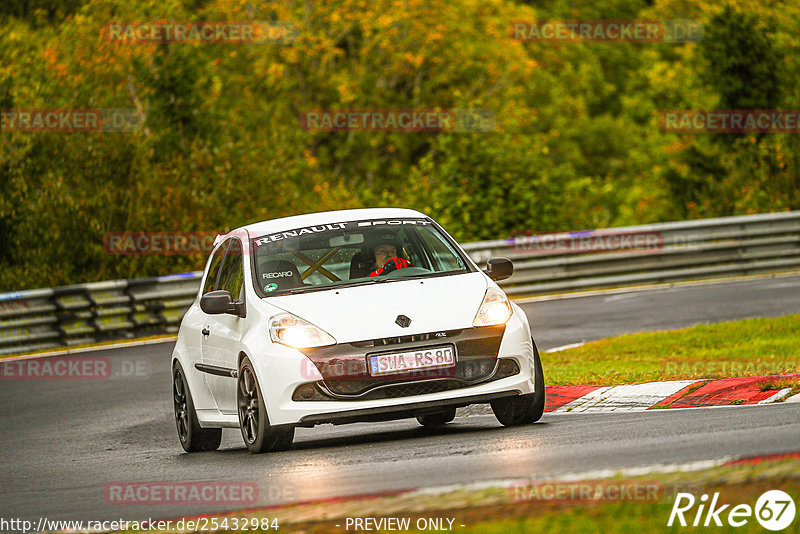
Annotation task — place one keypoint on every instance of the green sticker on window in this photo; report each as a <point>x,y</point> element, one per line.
<point>270,287</point>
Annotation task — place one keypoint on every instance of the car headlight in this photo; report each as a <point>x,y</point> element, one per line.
<point>297,333</point>
<point>495,309</point>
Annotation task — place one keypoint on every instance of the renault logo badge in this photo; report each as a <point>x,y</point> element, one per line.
<point>403,321</point>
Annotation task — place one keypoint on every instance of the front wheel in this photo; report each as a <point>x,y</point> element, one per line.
<point>523,409</point>
<point>193,437</point>
<point>257,433</point>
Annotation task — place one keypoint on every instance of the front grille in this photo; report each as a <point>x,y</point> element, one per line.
<point>346,375</point>
<point>317,391</point>
<point>464,371</point>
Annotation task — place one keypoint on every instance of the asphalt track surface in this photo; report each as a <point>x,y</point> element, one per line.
<point>63,442</point>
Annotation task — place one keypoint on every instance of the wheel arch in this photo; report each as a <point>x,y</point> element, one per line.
<point>201,394</point>
<point>242,356</point>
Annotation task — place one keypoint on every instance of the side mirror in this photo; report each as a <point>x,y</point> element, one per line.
<point>499,268</point>
<point>220,301</point>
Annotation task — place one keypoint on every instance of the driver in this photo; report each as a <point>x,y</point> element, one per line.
<point>386,257</point>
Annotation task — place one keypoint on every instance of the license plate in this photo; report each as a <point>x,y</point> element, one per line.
<point>412,360</point>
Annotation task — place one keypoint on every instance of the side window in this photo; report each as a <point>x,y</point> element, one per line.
<point>213,269</point>
<point>232,275</point>
<point>412,248</point>
<point>445,258</point>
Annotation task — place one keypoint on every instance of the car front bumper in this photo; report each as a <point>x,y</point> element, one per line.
<point>282,370</point>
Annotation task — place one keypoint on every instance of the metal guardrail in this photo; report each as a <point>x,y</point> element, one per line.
<point>687,250</point>
<point>88,313</point>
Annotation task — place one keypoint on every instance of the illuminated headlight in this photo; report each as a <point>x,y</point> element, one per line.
<point>495,309</point>
<point>293,331</point>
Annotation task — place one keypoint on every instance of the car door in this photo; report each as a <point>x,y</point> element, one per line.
<point>195,319</point>
<point>222,333</point>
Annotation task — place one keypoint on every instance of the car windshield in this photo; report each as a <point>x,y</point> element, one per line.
<point>350,253</point>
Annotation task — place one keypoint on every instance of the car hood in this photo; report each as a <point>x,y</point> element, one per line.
<point>369,312</point>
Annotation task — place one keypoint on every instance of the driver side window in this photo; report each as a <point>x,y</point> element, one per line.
<point>442,254</point>
<point>213,269</point>
<point>232,275</point>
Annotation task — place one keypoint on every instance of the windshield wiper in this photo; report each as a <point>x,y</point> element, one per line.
<point>374,280</point>
<point>308,289</point>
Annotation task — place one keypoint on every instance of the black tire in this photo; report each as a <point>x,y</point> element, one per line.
<point>193,437</point>
<point>523,409</point>
<point>433,420</point>
<point>257,433</point>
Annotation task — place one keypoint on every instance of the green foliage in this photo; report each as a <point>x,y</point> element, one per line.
<point>36,11</point>
<point>745,61</point>
<point>743,65</point>
<point>577,142</point>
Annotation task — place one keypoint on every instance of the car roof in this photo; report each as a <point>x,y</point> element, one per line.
<point>325,217</point>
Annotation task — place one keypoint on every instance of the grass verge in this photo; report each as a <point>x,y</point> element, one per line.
<point>752,347</point>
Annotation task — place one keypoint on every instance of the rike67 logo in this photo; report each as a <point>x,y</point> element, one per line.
<point>774,510</point>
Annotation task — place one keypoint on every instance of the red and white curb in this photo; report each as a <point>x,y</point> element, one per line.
<point>628,398</point>
<point>671,394</point>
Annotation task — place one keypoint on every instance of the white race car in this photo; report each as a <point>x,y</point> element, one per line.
<point>347,316</point>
